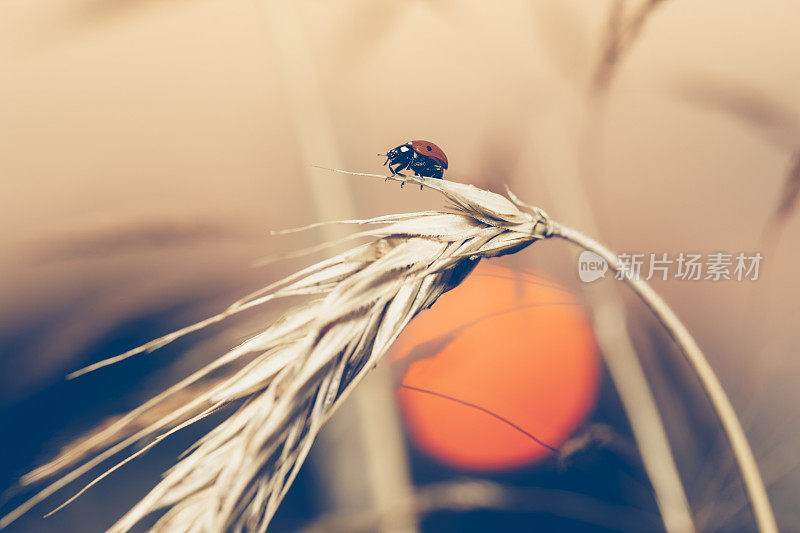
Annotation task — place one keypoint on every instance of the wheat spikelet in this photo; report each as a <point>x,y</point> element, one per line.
<point>299,369</point>
<point>295,373</point>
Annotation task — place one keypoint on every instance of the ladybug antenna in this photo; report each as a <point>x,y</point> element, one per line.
<point>486,411</point>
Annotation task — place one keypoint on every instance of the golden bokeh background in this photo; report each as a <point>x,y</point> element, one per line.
<point>148,148</point>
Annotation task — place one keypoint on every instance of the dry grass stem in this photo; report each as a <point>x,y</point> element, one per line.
<point>790,195</point>
<point>621,33</point>
<point>774,121</point>
<point>374,414</point>
<point>609,318</point>
<point>292,376</point>
<point>754,484</point>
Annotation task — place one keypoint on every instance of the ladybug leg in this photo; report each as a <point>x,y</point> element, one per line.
<point>396,172</point>
<point>420,169</point>
<point>398,169</point>
<point>421,178</point>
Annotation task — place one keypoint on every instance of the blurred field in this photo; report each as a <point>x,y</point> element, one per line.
<point>148,148</point>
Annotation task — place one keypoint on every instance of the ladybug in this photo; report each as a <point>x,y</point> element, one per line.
<point>423,158</point>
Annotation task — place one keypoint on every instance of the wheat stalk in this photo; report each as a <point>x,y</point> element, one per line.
<point>620,35</point>
<point>623,29</point>
<point>373,412</point>
<point>294,374</point>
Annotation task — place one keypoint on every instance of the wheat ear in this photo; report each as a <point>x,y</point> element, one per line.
<point>293,375</point>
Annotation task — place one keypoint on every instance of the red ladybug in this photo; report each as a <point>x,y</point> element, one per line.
<point>423,158</point>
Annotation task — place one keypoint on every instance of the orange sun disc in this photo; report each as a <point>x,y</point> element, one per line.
<point>500,362</point>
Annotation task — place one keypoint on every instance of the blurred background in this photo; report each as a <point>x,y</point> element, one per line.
<point>148,148</point>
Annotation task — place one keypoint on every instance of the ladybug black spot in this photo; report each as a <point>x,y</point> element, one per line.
<point>429,148</point>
